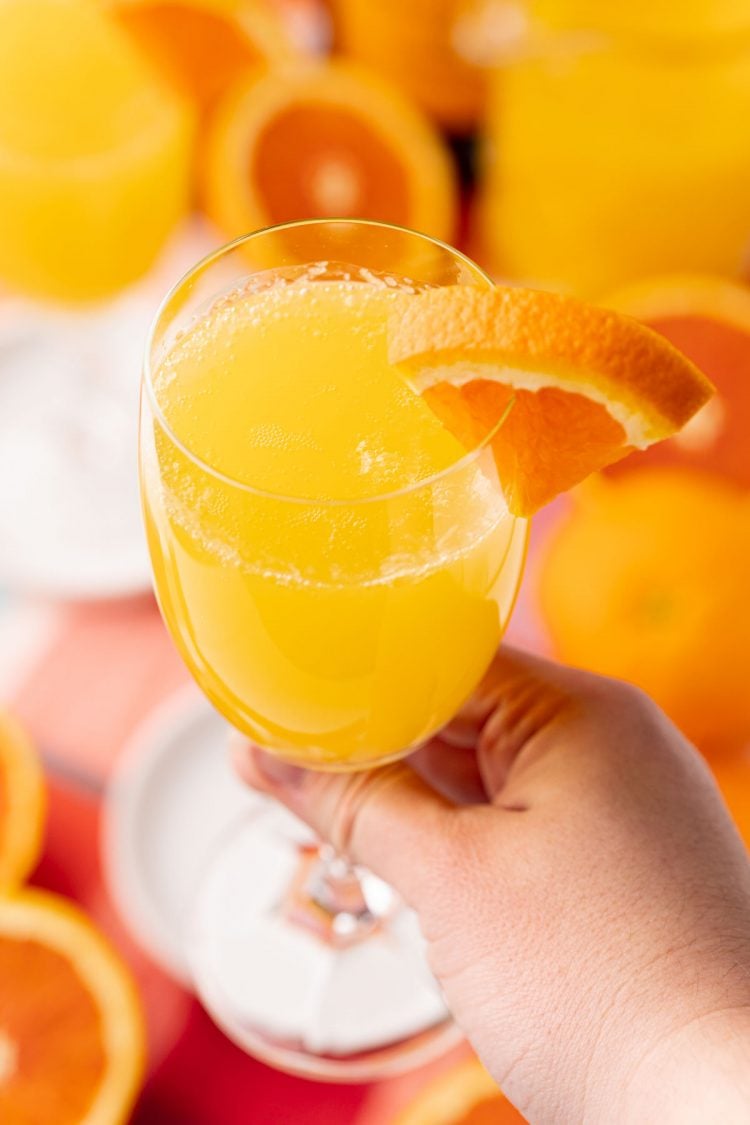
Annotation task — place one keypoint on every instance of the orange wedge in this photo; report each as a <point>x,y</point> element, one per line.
<point>707,318</point>
<point>205,46</point>
<point>71,1035</point>
<point>22,804</point>
<point>464,1095</point>
<point>326,141</point>
<point>585,384</point>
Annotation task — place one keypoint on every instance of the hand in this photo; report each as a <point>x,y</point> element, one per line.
<point>583,893</point>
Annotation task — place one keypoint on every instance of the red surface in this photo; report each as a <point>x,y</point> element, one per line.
<point>197,1076</point>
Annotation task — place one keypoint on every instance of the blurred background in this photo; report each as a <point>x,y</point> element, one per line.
<point>588,146</point>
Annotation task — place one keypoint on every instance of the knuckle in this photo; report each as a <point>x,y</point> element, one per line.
<point>348,800</point>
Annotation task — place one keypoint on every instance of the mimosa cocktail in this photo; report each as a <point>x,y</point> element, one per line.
<point>620,147</point>
<point>340,576</point>
<point>337,570</point>
<point>95,152</point>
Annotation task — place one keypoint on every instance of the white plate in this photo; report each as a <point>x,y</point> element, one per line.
<point>172,795</point>
<point>70,522</point>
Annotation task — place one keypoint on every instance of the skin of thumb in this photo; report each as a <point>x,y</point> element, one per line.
<point>387,819</point>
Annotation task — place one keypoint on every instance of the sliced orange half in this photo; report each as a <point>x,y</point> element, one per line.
<point>205,46</point>
<point>326,141</point>
<point>22,804</point>
<point>707,318</point>
<point>464,1095</point>
<point>585,385</point>
<point>71,1033</point>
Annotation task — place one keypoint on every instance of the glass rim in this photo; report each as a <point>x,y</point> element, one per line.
<point>553,43</point>
<point>265,494</point>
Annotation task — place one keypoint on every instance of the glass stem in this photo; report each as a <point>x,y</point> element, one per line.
<point>328,897</point>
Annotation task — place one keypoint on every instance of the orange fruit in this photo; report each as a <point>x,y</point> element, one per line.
<point>205,46</point>
<point>647,581</point>
<point>464,1095</point>
<point>733,777</point>
<point>707,318</point>
<point>584,384</point>
<point>22,804</point>
<point>71,1037</point>
<point>323,141</point>
<point>415,44</point>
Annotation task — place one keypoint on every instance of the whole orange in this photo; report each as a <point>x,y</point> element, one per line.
<point>648,581</point>
<point>733,775</point>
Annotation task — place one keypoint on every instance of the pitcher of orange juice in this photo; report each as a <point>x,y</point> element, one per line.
<point>618,143</point>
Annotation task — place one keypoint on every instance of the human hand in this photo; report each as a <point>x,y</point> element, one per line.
<point>584,895</point>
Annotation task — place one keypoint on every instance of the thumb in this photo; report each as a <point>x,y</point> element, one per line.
<point>373,817</point>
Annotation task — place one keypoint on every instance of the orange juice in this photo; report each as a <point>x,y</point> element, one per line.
<point>613,157</point>
<point>95,152</point>
<point>337,571</point>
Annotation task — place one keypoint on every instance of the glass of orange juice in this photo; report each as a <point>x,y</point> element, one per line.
<point>337,571</point>
<point>620,147</point>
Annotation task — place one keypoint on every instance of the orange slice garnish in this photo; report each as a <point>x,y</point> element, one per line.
<point>707,318</point>
<point>71,1034</point>
<point>22,804</point>
<point>205,46</point>
<point>464,1095</point>
<point>586,384</point>
<point>322,142</point>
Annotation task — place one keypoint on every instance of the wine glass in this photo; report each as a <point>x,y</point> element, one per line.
<point>336,571</point>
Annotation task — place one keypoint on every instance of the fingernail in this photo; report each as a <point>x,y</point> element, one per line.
<point>280,774</point>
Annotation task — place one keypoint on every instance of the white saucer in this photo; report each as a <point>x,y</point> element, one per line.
<point>198,882</point>
<point>172,795</point>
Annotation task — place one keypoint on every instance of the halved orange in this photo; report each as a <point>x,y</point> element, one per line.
<point>71,1033</point>
<point>327,141</point>
<point>585,384</point>
<point>464,1095</point>
<point>707,318</point>
<point>22,804</point>
<point>205,46</point>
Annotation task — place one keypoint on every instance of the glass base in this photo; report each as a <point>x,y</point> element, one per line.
<point>310,965</point>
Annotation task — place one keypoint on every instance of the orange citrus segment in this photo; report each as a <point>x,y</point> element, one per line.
<point>22,804</point>
<point>333,141</point>
<point>707,318</point>
<point>71,1037</point>
<point>464,1095</point>
<point>205,46</point>
<point>587,384</point>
